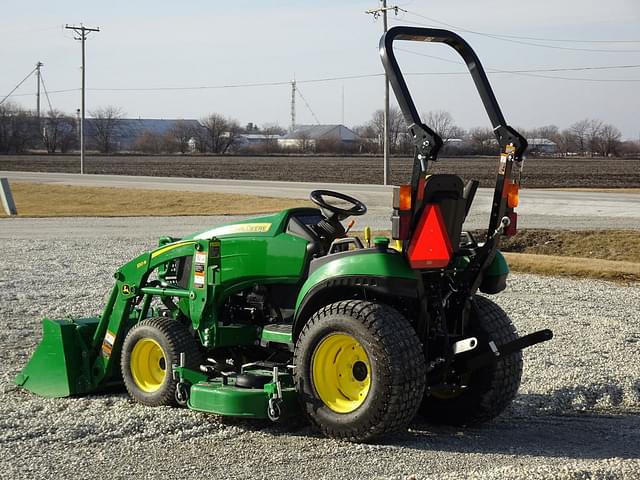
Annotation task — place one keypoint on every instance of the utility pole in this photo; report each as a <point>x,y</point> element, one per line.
<point>82,33</point>
<point>376,12</point>
<point>293,105</point>
<point>38,65</point>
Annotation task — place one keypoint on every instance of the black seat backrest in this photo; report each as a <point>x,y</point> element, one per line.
<point>447,191</point>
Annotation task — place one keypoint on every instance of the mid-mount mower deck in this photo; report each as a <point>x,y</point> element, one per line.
<point>285,313</point>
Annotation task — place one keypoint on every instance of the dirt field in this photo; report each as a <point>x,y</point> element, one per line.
<point>538,172</point>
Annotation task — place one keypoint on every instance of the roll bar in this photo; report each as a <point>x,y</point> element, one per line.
<point>504,134</point>
<point>427,141</point>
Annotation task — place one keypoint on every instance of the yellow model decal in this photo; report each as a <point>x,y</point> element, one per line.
<point>170,247</point>
<point>238,228</point>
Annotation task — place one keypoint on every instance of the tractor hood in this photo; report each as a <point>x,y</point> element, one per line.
<point>266,226</point>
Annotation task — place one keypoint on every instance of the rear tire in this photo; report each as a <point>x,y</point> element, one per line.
<point>148,353</point>
<point>360,370</point>
<point>490,389</point>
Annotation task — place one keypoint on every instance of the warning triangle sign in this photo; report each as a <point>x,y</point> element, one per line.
<point>430,246</point>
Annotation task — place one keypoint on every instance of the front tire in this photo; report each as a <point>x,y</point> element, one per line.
<point>489,390</point>
<point>360,370</point>
<point>148,353</point>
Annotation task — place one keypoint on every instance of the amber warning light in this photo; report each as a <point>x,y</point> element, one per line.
<point>513,195</point>
<point>430,246</point>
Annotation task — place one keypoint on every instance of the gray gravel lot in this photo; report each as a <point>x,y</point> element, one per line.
<point>577,414</point>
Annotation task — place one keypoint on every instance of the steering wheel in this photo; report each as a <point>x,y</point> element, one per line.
<point>330,211</point>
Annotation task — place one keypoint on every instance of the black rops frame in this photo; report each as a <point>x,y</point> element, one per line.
<point>427,142</point>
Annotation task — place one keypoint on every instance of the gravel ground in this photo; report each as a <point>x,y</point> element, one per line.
<point>576,416</point>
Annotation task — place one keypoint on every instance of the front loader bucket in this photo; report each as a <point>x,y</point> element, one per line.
<point>61,364</point>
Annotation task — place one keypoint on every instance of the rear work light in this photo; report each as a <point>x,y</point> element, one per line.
<point>430,245</point>
<point>405,197</point>
<point>513,195</point>
<point>401,218</point>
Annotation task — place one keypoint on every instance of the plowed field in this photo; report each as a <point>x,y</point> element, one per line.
<point>538,172</point>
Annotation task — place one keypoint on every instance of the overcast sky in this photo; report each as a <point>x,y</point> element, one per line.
<point>151,44</point>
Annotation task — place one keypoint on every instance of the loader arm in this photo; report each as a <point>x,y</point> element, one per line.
<point>83,355</point>
<point>131,284</point>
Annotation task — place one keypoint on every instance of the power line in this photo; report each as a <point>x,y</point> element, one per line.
<point>46,94</point>
<point>520,37</point>
<point>514,39</point>
<point>355,77</point>
<point>236,85</point>
<point>368,75</point>
<point>563,40</point>
<point>530,72</point>
<point>18,86</point>
<point>307,104</point>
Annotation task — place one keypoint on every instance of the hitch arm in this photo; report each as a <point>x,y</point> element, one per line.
<point>486,358</point>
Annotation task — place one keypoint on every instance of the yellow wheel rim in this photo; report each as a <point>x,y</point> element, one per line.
<point>341,372</point>
<point>148,365</point>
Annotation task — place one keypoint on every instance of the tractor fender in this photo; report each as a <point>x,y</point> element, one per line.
<point>340,276</point>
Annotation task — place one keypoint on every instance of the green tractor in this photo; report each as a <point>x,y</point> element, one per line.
<point>287,315</point>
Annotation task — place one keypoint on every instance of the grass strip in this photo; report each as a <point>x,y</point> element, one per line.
<point>46,200</point>
<point>574,267</point>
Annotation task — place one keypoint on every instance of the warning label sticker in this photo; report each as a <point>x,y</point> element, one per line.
<point>107,344</point>
<point>198,279</point>
<point>503,164</point>
<point>199,267</point>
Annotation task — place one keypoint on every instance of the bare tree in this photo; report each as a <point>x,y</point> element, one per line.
<point>305,144</point>
<point>104,127</point>
<point>367,138</point>
<point>19,129</point>
<point>441,122</point>
<point>58,132</point>
<point>396,127</point>
<point>148,142</point>
<point>231,136</point>
<point>272,131</point>
<point>565,141</point>
<point>547,131</point>
<point>482,140</point>
<point>609,140</point>
<point>222,133</point>
<point>580,133</point>
<point>182,133</point>
<point>201,139</point>
<point>630,148</point>
<point>593,135</point>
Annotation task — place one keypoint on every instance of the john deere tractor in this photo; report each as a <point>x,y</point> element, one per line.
<point>287,315</point>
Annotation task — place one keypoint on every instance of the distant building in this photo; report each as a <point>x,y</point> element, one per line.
<point>249,139</point>
<point>542,146</point>
<point>305,137</point>
<point>127,131</point>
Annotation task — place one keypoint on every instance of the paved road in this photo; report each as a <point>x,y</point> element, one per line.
<point>539,208</point>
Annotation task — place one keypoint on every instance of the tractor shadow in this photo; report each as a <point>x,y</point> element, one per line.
<point>534,432</point>
<point>594,422</point>
<point>536,425</point>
